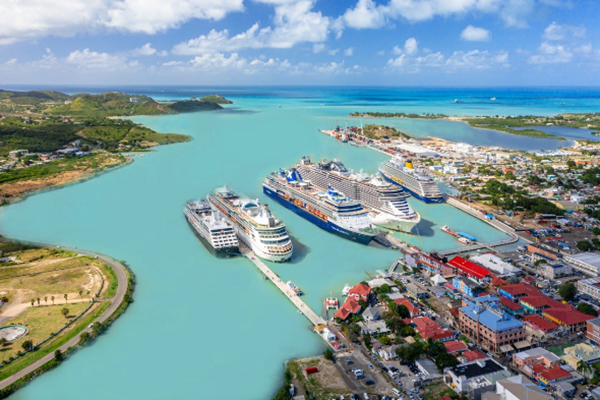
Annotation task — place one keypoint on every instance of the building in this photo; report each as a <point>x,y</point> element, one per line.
<point>535,356</point>
<point>515,291</point>
<point>590,286</point>
<point>519,387</point>
<point>568,317</point>
<point>414,291</point>
<point>388,352</point>
<point>472,355</point>
<point>474,378</point>
<point>360,292</point>
<point>555,271</point>
<point>539,253</point>
<point>581,351</point>
<point>454,346</point>
<point>350,306</point>
<point>511,307</point>
<point>373,327</point>
<point>538,303</point>
<point>438,280</point>
<point>496,265</point>
<point>538,323</point>
<point>431,264</point>
<point>371,314</point>
<point>428,368</point>
<point>412,309</point>
<point>549,375</point>
<point>472,270</point>
<point>593,330</point>
<point>489,326</point>
<point>429,329</point>
<point>588,263</point>
<point>467,286</point>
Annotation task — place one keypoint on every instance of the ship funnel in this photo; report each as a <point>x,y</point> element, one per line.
<point>293,175</point>
<point>409,165</point>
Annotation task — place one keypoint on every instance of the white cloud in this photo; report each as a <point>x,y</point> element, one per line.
<point>32,19</point>
<point>145,50</point>
<point>557,32</point>
<point>367,14</point>
<point>93,59</point>
<point>349,52</point>
<point>475,34</point>
<point>551,54</point>
<point>318,47</point>
<point>459,60</point>
<point>333,52</point>
<point>294,22</point>
<point>411,46</point>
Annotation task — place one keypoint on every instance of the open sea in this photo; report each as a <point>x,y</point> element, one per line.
<point>207,328</point>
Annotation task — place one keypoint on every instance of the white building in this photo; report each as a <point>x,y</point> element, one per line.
<point>519,387</point>
<point>553,271</point>
<point>495,264</point>
<point>588,263</point>
<point>590,286</point>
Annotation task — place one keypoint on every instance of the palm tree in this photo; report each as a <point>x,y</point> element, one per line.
<point>80,294</point>
<point>38,301</point>
<point>46,299</point>
<point>52,298</point>
<point>65,295</point>
<point>32,302</point>
<point>583,368</point>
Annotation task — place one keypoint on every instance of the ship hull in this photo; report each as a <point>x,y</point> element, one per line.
<point>325,225</point>
<point>223,252</point>
<point>428,200</point>
<point>244,238</point>
<point>389,222</point>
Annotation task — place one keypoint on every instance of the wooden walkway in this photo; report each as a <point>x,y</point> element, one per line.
<point>285,289</point>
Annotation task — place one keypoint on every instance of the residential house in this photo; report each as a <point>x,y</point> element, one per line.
<point>455,346</point>
<point>569,317</point>
<point>349,307</point>
<point>467,286</point>
<point>429,329</point>
<point>371,314</point>
<point>581,351</point>
<point>360,292</point>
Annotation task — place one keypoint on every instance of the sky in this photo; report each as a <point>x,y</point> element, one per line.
<point>301,42</point>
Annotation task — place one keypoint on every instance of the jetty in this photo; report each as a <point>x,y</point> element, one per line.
<point>285,289</point>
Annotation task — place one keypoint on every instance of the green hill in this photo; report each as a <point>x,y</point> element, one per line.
<point>215,98</point>
<point>189,106</point>
<point>110,104</point>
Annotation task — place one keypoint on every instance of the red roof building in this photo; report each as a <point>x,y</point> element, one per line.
<point>454,346</point>
<point>468,268</point>
<point>350,306</point>
<point>568,317</point>
<point>472,355</point>
<point>427,328</point>
<point>360,291</point>
<point>538,323</point>
<point>412,309</point>
<point>498,281</point>
<point>517,290</point>
<point>550,375</point>
<point>511,307</point>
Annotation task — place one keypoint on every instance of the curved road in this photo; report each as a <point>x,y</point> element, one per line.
<point>115,302</point>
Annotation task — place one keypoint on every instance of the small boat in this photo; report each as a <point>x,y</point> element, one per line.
<point>458,101</point>
<point>446,229</point>
<point>331,302</point>
<point>493,99</point>
<point>464,240</point>
<point>295,288</point>
<point>346,290</point>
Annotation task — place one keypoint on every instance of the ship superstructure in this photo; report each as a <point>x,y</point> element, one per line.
<point>330,210</point>
<point>209,225</point>
<point>254,224</point>
<point>386,203</point>
<point>419,184</point>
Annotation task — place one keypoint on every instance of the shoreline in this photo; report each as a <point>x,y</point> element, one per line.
<point>121,301</point>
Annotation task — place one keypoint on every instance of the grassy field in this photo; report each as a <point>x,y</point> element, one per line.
<point>51,346</point>
<point>560,350</point>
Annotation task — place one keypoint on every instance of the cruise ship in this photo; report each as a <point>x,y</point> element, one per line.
<point>254,224</point>
<point>386,203</point>
<point>417,183</point>
<point>213,230</point>
<point>329,210</point>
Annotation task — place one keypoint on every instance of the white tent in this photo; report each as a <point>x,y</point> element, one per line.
<point>438,280</point>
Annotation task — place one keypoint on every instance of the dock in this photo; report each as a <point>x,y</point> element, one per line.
<point>285,289</point>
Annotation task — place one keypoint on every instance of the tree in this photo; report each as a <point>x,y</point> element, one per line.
<point>385,340</point>
<point>445,360</point>
<point>367,340</point>
<point>587,309</point>
<point>80,294</point>
<point>584,245</point>
<point>84,337</point>
<point>3,342</point>
<point>411,352</point>
<point>38,301</point>
<point>46,299</point>
<point>402,311</point>
<point>567,291</point>
<point>583,367</point>
<point>32,302</point>
<point>52,298</point>
<point>27,345</point>
<point>596,231</point>
<point>58,355</point>
<point>328,354</point>
<point>385,288</point>
<point>65,311</point>
<point>65,295</point>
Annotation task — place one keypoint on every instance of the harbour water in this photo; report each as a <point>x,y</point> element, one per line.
<point>203,327</point>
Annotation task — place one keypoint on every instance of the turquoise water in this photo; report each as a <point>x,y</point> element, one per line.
<point>202,327</point>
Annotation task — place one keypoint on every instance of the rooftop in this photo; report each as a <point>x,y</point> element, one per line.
<point>453,346</point>
<point>496,320</point>
<point>472,355</point>
<point>477,368</point>
<point>523,389</point>
<point>427,328</point>
<point>537,352</point>
<point>551,374</point>
<point>568,316</point>
<point>588,258</point>
<point>541,322</point>
<point>511,305</point>
<point>469,268</point>
<point>517,289</point>
<point>540,301</point>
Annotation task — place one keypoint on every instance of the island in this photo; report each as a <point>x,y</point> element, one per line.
<point>49,138</point>
<point>505,124</point>
<point>53,301</point>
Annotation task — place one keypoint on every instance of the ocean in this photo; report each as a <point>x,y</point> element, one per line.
<point>203,327</point>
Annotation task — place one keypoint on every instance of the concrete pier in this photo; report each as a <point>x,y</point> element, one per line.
<point>285,289</point>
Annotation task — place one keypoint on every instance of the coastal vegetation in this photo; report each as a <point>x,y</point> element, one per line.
<point>508,123</point>
<point>373,131</point>
<point>215,98</point>
<point>508,197</point>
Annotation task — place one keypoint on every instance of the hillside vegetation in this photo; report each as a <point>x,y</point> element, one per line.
<point>215,98</point>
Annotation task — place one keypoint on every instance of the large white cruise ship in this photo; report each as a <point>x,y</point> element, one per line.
<point>254,224</point>
<point>329,210</point>
<point>419,184</point>
<point>214,231</point>
<point>385,202</point>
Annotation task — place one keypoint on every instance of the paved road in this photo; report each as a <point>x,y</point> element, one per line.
<point>115,302</point>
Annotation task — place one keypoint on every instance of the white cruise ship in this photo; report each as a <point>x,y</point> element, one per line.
<point>385,202</point>
<point>329,210</point>
<point>213,230</point>
<point>254,224</point>
<point>419,184</point>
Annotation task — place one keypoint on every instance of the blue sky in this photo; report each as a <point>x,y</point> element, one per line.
<point>337,42</point>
